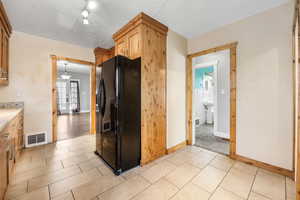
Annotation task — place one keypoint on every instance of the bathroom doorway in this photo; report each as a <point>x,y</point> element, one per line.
<point>211,99</point>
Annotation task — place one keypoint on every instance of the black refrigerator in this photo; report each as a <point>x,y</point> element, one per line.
<point>118,115</point>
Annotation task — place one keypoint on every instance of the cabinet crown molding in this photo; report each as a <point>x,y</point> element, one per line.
<point>141,18</point>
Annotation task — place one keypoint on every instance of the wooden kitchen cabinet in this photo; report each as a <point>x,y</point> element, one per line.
<point>3,166</point>
<point>130,44</point>
<point>145,37</point>
<point>102,55</point>
<point>121,47</point>
<point>5,32</point>
<point>11,145</point>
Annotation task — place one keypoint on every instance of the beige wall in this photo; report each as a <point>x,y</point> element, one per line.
<point>264,83</point>
<point>30,76</point>
<point>176,55</point>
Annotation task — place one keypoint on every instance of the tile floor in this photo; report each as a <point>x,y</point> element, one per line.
<point>70,170</point>
<point>205,138</point>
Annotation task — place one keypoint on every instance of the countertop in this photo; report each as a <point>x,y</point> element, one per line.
<point>6,115</point>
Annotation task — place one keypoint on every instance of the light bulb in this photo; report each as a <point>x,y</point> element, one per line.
<point>85,21</point>
<point>85,13</point>
<point>91,5</point>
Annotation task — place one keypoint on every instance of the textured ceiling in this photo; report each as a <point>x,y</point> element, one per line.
<point>61,19</point>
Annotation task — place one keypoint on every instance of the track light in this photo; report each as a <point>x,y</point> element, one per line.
<point>85,13</point>
<point>85,21</point>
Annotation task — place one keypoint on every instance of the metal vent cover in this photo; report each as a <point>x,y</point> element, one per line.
<point>36,139</point>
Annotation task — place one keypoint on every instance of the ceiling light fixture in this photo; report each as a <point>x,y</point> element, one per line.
<point>85,21</point>
<point>65,75</point>
<point>85,13</point>
<point>92,4</point>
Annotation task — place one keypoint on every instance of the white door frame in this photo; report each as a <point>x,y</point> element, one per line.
<point>204,65</point>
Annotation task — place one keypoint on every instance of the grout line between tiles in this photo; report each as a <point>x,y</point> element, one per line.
<point>72,193</point>
<point>189,182</point>
<point>49,191</point>
<point>252,183</point>
<point>220,182</point>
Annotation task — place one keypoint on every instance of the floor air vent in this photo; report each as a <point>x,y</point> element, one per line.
<point>35,139</point>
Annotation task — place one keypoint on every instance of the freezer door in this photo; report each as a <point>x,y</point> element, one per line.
<point>99,102</point>
<point>108,112</point>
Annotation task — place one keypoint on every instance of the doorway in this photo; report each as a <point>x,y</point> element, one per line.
<point>73,98</point>
<point>211,99</point>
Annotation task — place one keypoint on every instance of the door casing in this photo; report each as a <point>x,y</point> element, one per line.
<point>189,93</point>
<point>54,60</point>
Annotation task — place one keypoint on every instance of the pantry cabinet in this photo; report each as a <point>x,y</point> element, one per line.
<point>5,32</point>
<point>130,44</point>
<point>145,37</point>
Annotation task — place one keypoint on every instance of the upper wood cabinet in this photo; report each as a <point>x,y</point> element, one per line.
<point>5,32</point>
<point>121,47</point>
<point>102,55</point>
<point>145,37</point>
<point>129,45</point>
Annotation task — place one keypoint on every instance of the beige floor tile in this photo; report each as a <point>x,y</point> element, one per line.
<point>178,159</point>
<point>290,188</point>
<point>105,170</point>
<point>16,190</point>
<point>222,194</point>
<point>243,167</point>
<point>209,178</point>
<point>182,174</point>
<point>74,160</point>
<point>254,196</point>
<point>141,169</point>
<point>269,185</point>
<point>27,166</point>
<point>199,159</point>
<point>126,190</point>
<point>238,182</point>
<point>163,158</point>
<point>65,196</point>
<point>67,184</point>
<point>91,164</point>
<point>156,172</point>
<point>96,187</point>
<point>35,172</point>
<point>40,194</point>
<point>58,175</point>
<point>161,190</point>
<point>222,162</point>
<point>129,174</point>
<point>191,192</point>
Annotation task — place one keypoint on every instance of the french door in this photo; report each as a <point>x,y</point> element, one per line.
<point>74,96</point>
<point>68,100</point>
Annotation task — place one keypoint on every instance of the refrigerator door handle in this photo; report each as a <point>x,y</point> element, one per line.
<point>104,99</point>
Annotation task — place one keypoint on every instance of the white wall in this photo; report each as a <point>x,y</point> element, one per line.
<point>223,84</point>
<point>30,77</point>
<point>264,83</point>
<point>176,63</point>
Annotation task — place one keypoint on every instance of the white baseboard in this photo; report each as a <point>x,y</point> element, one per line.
<point>221,134</point>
